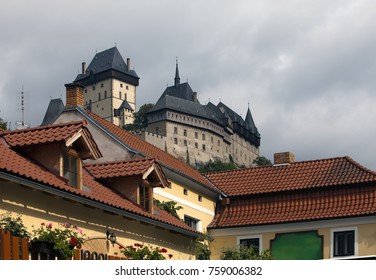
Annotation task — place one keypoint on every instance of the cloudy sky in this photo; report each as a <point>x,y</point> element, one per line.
<point>307,68</point>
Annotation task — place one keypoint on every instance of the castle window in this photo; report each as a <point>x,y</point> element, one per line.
<point>105,94</point>
<point>99,96</point>
<point>203,137</point>
<point>71,168</point>
<point>101,85</point>
<point>157,130</point>
<point>85,90</point>
<point>185,142</point>
<point>175,140</point>
<point>185,132</point>
<point>196,135</point>
<point>121,85</point>
<point>125,96</point>
<point>211,139</point>
<point>120,94</point>
<point>126,87</point>
<point>219,143</point>
<point>175,130</point>
<point>196,145</point>
<point>93,87</point>
<point>203,147</point>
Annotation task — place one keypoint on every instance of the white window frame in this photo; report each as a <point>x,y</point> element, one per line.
<point>333,230</point>
<point>238,238</point>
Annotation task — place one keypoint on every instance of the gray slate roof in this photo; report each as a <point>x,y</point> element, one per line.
<point>55,108</point>
<point>182,91</point>
<point>185,106</point>
<point>107,60</point>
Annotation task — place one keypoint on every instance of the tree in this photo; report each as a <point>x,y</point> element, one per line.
<point>262,161</point>
<point>245,253</point>
<point>140,118</point>
<point>168,206</point>
<point>217,165</point>
<point>3,124</point>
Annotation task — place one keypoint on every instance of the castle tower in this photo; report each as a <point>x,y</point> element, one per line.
<point>110,87</point>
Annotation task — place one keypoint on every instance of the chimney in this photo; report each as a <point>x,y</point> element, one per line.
<point>74,95</point>
<point>83,68</point>
<point>283,158</point>
<point>128,64</point>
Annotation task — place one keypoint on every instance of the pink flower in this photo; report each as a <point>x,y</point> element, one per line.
<point>49,225</point>
<point>79,230</point>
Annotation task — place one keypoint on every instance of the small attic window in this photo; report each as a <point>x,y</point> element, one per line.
<point>71,168</point>
<point>145,197</point>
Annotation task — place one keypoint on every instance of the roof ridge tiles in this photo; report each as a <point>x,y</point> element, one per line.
<point>36,128</point>
<point>121,161</point>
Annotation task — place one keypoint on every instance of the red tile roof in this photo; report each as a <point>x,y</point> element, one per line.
<point>13,163</point>
<point>126,168</point>
<point>295,176</point>
<point>298,206</point>
<point>120,168</point>
<point>302,191</point>
<point>43,134</point>
<point>152,151</point>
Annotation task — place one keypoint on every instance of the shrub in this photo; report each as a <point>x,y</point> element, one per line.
<point>14,225</point>
<point>143,252</point>
<point>245,253</point>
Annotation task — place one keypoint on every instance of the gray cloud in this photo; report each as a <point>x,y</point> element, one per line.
<point>306,69</point>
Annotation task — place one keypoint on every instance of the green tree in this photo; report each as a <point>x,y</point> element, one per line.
<point>262,161</point>
<point>140,118</point>
<point>3,124</point>
<point>168,206</point>
<point>245,253</point>
<point>217,165</point>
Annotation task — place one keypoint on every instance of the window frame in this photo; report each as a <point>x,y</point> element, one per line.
<point>245,237</point>
<point>145,201</point>
<point>71,154</point>
<point>332,242</point>
<point>197,222</point>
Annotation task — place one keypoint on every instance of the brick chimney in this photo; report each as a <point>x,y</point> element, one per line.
<point>74,95</point>
<point>284,158</point>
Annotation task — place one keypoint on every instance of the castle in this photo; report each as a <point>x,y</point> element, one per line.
<point>178,123</point>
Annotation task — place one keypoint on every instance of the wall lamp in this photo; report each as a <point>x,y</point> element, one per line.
<point>111,237</point>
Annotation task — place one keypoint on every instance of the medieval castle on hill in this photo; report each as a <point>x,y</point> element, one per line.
<point>178,123</point>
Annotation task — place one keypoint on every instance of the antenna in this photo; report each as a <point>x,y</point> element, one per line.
<point>21,124</point>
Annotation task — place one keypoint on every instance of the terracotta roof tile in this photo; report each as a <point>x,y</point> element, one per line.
<point>125,168</point>
<point>14,163</point>
<point>151,151</point>
<point>298,206</point>
<point>43,134</point>
<point>295,176</point>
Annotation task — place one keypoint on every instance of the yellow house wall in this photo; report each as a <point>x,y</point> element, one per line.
<point>177,190</point>
<point>366,242</point>
<point>37,207</point>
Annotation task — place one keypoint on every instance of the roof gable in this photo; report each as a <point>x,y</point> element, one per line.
<point>140,167</point>
<point>68,133</point>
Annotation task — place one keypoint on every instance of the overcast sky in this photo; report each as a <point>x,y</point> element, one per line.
<point>307,68</point>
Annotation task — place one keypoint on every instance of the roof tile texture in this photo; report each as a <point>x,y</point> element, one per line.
<point>43,134</point>
<point>295,176</point>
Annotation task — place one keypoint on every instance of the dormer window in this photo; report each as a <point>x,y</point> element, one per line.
<point>72,168</point>
<point>145,197</point>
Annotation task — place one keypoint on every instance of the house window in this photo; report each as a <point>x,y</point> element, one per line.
<point>185,191</point>
<point>251,242</point>
<point>199,198</point>
<point>343,243</point>
<point>71,168</point>
<point>191,222</point>
<point>145,197</point>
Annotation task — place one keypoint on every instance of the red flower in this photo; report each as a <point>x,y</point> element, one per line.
<point>42,224</point>
<point>164,250</point>
<point>121,247</point>
<point>170,256</point>
<point>73,241</point>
